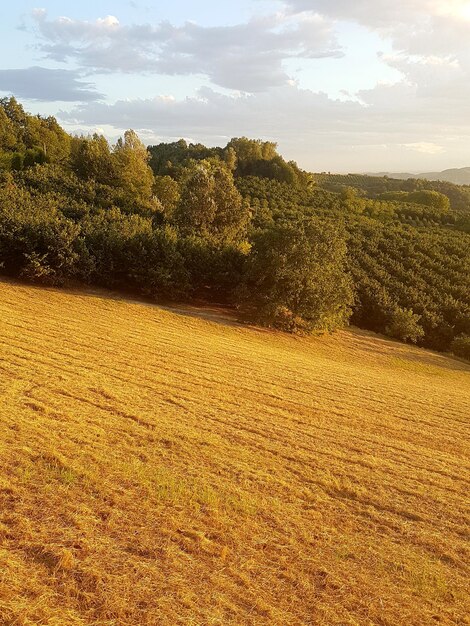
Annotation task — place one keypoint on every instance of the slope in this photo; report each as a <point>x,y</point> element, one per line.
<point>457,176</point>
<point>158,468</point>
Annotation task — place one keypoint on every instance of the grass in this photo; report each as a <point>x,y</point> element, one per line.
<point>160,468</point>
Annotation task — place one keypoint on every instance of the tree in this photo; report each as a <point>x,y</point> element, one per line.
<point>295,278</point>
<point>352,201</point>
<point>430,198</point>
<point>167,191</point>
<point>42,136</point>
<point>246,150</point>
<point>461,346</point>
<point>403,325</point>
<point>16,114</point>
<point>210,205</point>
<point>36,240</point>
<point>91,159</point>
<point>232,215</point>
<point>197,208</point>
<point>249,151</point>
<point>133,173</point>
<point>46,135</point>
<point>8,138</point>
<point>230,158</point>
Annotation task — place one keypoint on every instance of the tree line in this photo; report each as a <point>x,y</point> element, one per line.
<point>237,225</point>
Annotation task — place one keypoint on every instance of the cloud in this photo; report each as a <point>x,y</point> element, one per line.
<point>382,13</point>
<point>430,42</point>
<point>424,147</point>
<point>247,57</point>
<point>310,127</point>
<point>414,124</point>
<point>47,85</point>
<point>416,28</point>
<point>273,113</point>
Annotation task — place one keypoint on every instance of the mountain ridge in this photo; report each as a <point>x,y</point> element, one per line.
<point>458,176</point>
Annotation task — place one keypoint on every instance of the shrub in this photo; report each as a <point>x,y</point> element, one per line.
<point>295,278</point>
<point>36,241</point>
<point>403,325</point>
<point>461,346</point>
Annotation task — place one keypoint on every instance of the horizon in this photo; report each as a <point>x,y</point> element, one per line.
<point>366,88</point>
<point>111,141</point>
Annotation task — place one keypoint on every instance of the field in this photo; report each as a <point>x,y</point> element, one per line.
<point>172,467</point>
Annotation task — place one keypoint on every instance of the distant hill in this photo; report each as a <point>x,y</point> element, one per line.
<point>458,176</point>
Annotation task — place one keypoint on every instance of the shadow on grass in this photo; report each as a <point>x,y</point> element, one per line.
<point>406,356</point>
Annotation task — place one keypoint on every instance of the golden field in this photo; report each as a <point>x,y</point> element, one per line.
<point>171,467</point>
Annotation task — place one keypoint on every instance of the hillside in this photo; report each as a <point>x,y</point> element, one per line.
<point>162,468</point>
<point>238,225</point>
<point>457,176</point>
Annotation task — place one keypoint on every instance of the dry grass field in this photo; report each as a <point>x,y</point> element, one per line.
<point>160,467</point>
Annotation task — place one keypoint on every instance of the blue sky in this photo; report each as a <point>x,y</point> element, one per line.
<point>341,86</point>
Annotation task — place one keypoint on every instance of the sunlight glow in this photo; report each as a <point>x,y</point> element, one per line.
<point>456,8</point>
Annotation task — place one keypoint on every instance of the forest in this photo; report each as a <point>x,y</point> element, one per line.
<point>237,225</point>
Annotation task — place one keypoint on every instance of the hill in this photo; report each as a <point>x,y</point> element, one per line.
<point>375,185</point>
<point>238,224</point>
<point>457,176</point>
<point>162,468</point>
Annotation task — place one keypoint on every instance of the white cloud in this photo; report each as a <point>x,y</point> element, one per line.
<point>246,57</point>
<point>414,124</point>
<point>424,147</point>
<point>383,13</point>
<point>321,133</point>
<point>421,31</point>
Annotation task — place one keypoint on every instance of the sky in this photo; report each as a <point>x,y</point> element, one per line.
<point>340,85</point>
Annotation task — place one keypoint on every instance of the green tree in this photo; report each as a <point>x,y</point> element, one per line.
<point>232,214</point>
<point>91,159</point>
<point>352,201</point>
<point>196,208</point>
<point>133,173</point>
<point>230,158</point>
<point>404,325</point>
<point>36,240</point>
<point>295,277</point>
<point>461,346</point>
<point>8,137</point>
<point>167,191</point>
<point>210,205</point>
<point>16,114</point>
<point>46,135</point>
<point>430,198</point>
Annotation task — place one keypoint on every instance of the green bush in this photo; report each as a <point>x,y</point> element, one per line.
<point>403,325</point>
<point>36,240</point>
<point>295,278</point>
<point>461,346</point>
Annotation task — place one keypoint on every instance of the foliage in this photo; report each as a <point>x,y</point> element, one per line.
<point>404,325</point>
<point>295,277</point>
<point>352,201</point>
<point>167,191</point>
<point>427,271</point>
<point>375,186</point>
<point>91,159</point>
<point>32,139</point>
<point>237,224</point>
<point>460,346</point>
<point>36,240</point>
<point>133,175</point>
<point>210,205</point>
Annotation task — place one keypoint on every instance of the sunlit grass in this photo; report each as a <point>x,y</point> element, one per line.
<point>160,468</point>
